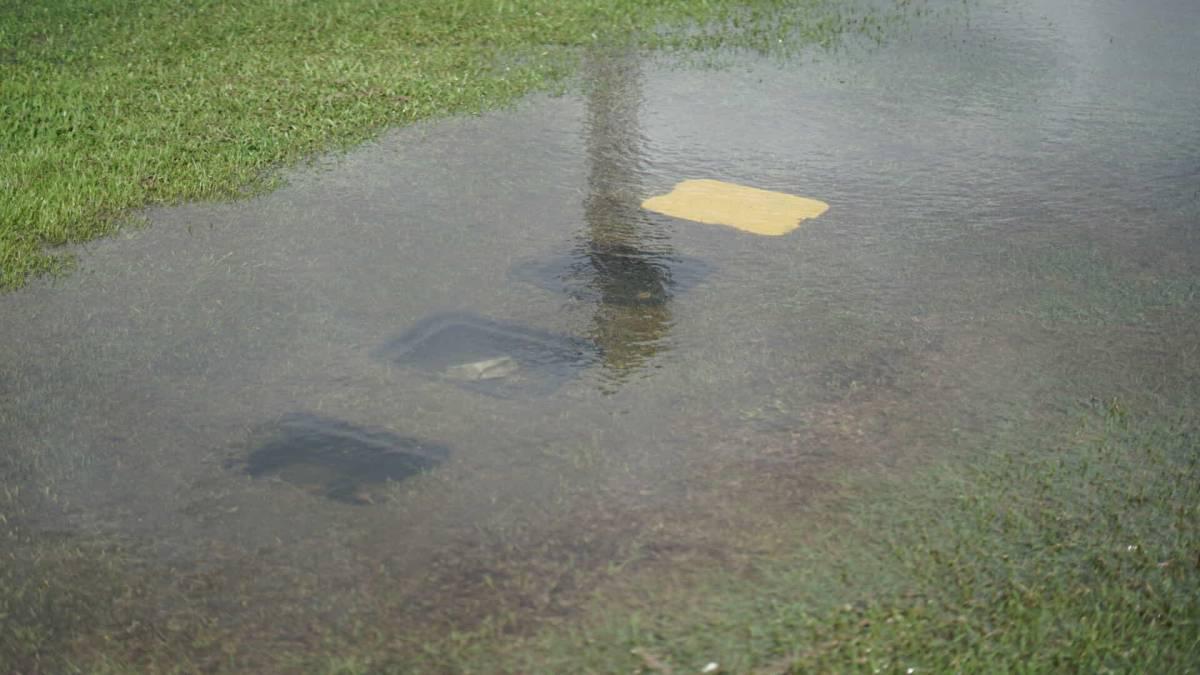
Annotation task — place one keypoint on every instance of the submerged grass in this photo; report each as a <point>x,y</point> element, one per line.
<point>1077,555</point>
<point>1081,557</point>
<point>112,105</point>
<point>1082,285</point>
<point>1064,541</point>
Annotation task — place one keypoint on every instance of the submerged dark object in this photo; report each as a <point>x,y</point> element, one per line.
<point>337,459</point>
<point>614,274</point>
<point>488,356</point>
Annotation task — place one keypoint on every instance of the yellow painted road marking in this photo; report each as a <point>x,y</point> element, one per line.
<point>745,208</point>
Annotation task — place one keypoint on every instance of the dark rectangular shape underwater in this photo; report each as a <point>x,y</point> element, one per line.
<point>489,356</point>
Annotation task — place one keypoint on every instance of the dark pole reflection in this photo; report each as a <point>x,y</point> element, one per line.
<point>624,259</point>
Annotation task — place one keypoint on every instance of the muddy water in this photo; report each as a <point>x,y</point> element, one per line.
<point>1012,226</point>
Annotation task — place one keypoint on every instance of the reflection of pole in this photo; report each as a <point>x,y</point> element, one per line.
<point>613,149</point>
<point>632,314</point>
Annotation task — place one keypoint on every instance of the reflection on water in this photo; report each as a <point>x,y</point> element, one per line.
<point>629,276</point>
<point>339,460</point>
<point>626,276</point>
<point>620,250</point>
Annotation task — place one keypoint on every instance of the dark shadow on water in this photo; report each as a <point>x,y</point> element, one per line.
<point>339,460</point>
<point>618,275</point>
<point>623,262</point>
<point>625,254</point>
<point>488,356</point>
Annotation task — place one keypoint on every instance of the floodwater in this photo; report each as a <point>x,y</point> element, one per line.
<point>465,352</point>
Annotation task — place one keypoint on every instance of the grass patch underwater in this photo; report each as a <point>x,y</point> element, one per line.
<point>109,106</point>
<point>1083,556</point>
<point>1077,555</point>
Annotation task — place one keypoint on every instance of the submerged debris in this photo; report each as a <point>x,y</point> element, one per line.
<point>741,207</point>
<point>487,369</point>
<point>489,356</point>
<point>339,460</point>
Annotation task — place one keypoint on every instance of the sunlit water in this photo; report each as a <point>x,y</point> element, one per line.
<point>470,326</point>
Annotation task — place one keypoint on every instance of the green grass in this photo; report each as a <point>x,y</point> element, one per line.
<point>1079,557</point>
<point>111,105</point>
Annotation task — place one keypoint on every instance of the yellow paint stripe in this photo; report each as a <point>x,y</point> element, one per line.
<point>749,209</point>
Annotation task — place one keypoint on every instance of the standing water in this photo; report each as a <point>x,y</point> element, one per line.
<point>453,373</point>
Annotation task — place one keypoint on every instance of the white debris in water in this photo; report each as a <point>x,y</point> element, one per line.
<point>712,667</point>
<point>488,369</point>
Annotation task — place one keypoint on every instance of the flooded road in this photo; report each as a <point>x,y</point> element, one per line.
<point>462,368</point>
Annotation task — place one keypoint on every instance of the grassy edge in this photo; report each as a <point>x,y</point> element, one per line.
<point>108,107</point>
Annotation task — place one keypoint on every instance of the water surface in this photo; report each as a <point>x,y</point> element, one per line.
<point>1013,193</point>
